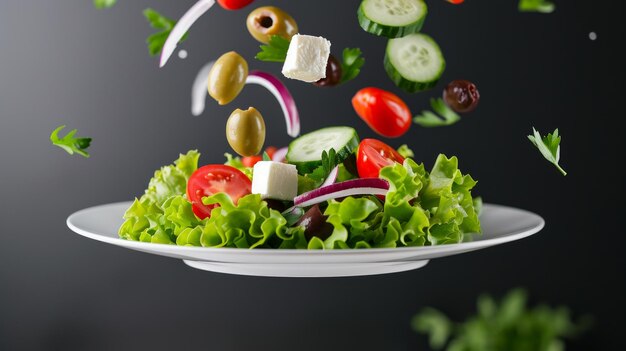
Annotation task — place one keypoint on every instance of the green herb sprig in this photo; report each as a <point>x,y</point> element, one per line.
<point>351,65</point>
<point>158,21</point>
<point>549,147</point>
<point>275,50</point>
<point>542,6</point>
<point>103,4</point>
<point>429,119</point>
<point>329,161</point>
<point>70,143</point>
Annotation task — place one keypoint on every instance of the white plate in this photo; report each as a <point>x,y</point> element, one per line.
<point>500,225</point>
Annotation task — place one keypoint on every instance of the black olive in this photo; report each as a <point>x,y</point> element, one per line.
<point>314,223</point>
<point>333,73</point>
<point>461,95</point>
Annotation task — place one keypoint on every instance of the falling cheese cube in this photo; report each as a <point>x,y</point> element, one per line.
<point>275,180</point>
<point>307,58</point>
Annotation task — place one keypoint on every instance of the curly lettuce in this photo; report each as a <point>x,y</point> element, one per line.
<point>421,208</point>
<point>172,180</point>
<point>157,215</point>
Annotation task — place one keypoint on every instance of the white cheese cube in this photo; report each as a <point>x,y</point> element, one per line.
<point>307,58</point>
<point>275,180</point>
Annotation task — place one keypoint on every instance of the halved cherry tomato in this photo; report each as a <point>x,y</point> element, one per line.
<point>213,179</point>
<point>234,4</point>
<point>250,161</point>
<point>373,155</point>
<point>383,111</point>
<point>455,2</point>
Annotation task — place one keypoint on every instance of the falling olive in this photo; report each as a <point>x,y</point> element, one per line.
<point>461,95</point>
<point>245,131</point>
<point>333,73</point>
<point>267,21</point>
<point>227,77</point>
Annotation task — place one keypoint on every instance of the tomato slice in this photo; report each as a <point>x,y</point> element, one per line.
<point>383,111</point>
<point>234,4</point>
<point>213,179</point>
<point>373,155</point>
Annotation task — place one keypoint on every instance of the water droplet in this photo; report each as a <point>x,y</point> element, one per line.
<point>183,54</point>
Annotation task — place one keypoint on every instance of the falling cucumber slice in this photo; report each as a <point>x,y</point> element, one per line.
<point>414,63</point>
<point>392,18</point>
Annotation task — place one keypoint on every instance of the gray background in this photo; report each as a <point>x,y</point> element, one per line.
<point>63,62</point>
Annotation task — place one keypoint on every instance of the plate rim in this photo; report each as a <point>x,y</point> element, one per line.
<point>298,252</point>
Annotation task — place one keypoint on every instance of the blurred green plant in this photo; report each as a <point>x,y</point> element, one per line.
<point>542,6</point>
<point>507,326</point>
<point>103,4</point>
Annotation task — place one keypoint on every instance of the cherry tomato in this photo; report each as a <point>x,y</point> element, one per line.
<point>234,4</point>
<point>213,179</point>
<point>383,111</point>
<point>250,161</point>
<point>373,155</point>
<point>455,2</point>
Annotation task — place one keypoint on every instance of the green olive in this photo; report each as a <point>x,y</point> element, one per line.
<point>266,21</point>
<point>245,131</point>
<point>227,77</point>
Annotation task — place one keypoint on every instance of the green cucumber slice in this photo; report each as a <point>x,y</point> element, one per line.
<point>305,152</point>
<point>414,63</point>
<point>392,18</point>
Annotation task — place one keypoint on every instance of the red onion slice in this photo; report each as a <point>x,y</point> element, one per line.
<point>280,155</point>
<point>332,176</point>
<point>199,89</point>
<point>182,26</point>
<point>280,92</point>
<point>363,186</point>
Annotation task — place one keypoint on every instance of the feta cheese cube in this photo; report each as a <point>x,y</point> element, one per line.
<point>307,58</point>
<point>275,180</point>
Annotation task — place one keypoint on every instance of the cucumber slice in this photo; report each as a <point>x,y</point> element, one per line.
<point>305,152</point>
<point>414,63</point>
<point>392,18</point>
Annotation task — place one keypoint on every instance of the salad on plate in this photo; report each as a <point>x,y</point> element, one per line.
<point>364,195</point>
<point>329,189</point>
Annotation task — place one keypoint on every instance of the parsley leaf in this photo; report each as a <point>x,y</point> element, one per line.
<point>352,63</point>
<point>549,147</point>
<point>542,6</point>
<point>430,119</point>
<point>69,143</point>
<point>158,21</point>
<point>266,156</point>
<point>275,50</point>
<point>329,161</point>
<point>103,4</point>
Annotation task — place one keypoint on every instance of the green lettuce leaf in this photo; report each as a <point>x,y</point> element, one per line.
<point>248,224</point>
<point>237,163</point>
<point>172,180</point>
<point>146,221</point>
<point>348,218</point>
